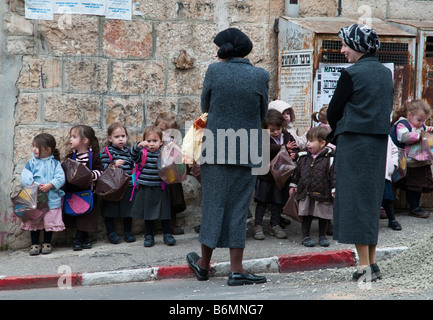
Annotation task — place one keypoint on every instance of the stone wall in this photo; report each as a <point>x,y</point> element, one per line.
<point>88,69</point>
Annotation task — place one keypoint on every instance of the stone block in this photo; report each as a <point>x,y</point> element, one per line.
<point>127,39</point>
<point>69,35</point>
<point>20,46</point>
<point>72,109</point>
<point>39,73</point>
<point>138,77</point>
<point>86,75</point>
<point>17,25</point>
<point>126,110</point>
<point>27,108</point>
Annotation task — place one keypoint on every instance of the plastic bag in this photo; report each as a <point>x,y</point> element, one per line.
<point>171,168</point>
<point>291,208</point>
<point>30,203</point>
<point>112,184</point>
<point>77,173</point>
<point>192,143</point>
<point>282,167</point>
<point>400,171</point>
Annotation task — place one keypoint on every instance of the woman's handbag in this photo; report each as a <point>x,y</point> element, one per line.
<point>81,202</point>
<point>291,208</point>
<point>113,182</point>
<point>282,167</point>
<point>192,142</point>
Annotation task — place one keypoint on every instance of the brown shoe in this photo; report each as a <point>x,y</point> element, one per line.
<point>419,213</point>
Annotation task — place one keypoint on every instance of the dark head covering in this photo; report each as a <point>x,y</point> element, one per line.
<point>360,38</point>
<point>233,43</point>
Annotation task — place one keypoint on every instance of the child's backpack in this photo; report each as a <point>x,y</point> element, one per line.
<point>393,133</point>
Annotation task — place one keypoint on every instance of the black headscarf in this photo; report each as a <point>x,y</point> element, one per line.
<point>233,43</point>
<point>360,38</point>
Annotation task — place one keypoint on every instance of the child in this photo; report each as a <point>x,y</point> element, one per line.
<point>321,118</point>
<point>166,121</point>
<point>82,141</point>
<point>152,201</point>
<point>314,180</point>
<point>45,169</point>
<point>388,194</point>
<point>407,131</point>
<point>267,191</point>
<point>121,158</point>
<point>289,116</point>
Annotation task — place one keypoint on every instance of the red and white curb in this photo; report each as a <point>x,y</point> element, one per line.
<point>277,264</point>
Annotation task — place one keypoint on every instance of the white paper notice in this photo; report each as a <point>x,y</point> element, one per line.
<point>119,9</point>
<point>66,6</point>
<point>96,7</point>
<point>39,9</point>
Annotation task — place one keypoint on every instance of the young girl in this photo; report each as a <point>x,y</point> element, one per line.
<point>321,118</point>
<point>121,157</point>
<point>407,131</point>
<point>152,201</point>
<point>45,169</point>
<point>83,140</point>
<point>289,116</point>
<point>314,180</point>
<point>166,121</point>
<point>267,191</point>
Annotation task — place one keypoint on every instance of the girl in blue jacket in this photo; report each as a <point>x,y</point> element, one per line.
<point>45,169</point>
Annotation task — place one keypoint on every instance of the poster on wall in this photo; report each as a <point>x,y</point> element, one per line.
<point>296,78</point>
<point>119,9</point>
<point>326,80</point>
<point>112,9</point>
<point>39,9</point>
<point>96,7</point>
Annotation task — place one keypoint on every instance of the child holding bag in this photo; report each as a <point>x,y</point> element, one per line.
<point>406,132</point>
<point>85,146</point>
<point>267,191</point>
<point>314,181</point>
<point>44,168</point>
<point>152,201</point>
<point>167,121</point>
<point>119,154</point>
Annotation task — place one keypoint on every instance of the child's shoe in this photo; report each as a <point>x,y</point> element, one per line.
<point>129,237</point>
<point>35,249</point>
<point>149,241</point>
<point>169,239</point>
<point>323,241</point>
<point>278,232</point>
<point>308,242</point>
<point>114,238</point>
<point>46,248</point>
<point>86,244</point>
<point>258,233</point>
<point>77,245</point>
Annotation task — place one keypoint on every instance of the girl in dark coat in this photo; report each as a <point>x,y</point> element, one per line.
<point>267,191</point>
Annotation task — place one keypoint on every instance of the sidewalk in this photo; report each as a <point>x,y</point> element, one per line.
<point>106,263</point>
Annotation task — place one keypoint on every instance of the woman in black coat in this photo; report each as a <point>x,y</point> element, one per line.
<point>359,115</point>
<point>235,94</point>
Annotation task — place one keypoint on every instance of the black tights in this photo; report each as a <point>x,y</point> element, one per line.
<point>149,226</point>
<point>276,211</point>
<point>413,198</point>
<point>388,206</point>
<point>35,236</point>
<point>127,224</point>
<point>306,225</point>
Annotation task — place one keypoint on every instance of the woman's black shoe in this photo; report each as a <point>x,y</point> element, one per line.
<point>375,269</point>
<point>200,273</point>
<point>365,275</point>
<point>239,279</point>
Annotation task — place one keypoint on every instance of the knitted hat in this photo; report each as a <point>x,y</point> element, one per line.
<point>360,38</point>
<point>233,43</point>
<point>279,105</point>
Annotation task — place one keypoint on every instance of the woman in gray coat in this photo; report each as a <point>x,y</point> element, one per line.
<point>235,94</point>
<point>359,115</point>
